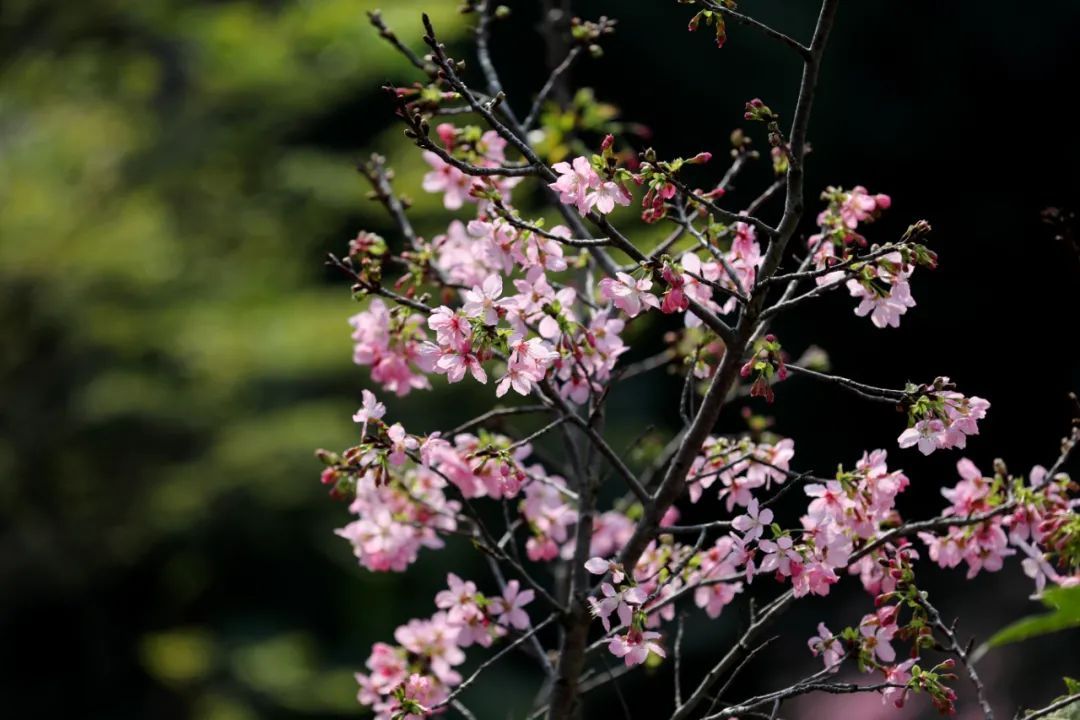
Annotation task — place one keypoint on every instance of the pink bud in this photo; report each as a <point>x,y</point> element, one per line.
<point>700,159</point>
<point>446,133</point>
<point>609,140</point>
<point>883,201</point>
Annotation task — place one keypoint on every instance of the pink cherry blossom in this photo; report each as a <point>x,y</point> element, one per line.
<point>451,329</point>
<point>620,602</point>
<point>391,347</point>
<point>828,646</point>
<point>371,409</point>
<point>447,179</point>
<point>436,641</point>
<point>898,674</point>
<point>627,294</point>
<point>606,196</point>
<point>483,301</point>
<point>752,524</point>
<point>634,647</point>
<point>460,259</point>
<point>780,556</point>
<point>884,309</point>
<point>508,608</point>
<point>927,434</point>
<point>401,444</point>
<point>877,632</point>
<point>575,182</point>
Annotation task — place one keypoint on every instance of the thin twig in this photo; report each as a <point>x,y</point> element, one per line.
<point>1051,708</point>
<point>761,27</point>
<point>498,413</point>
<point>958,650</point>
<point>870,392</point>
<point>549,85</point>
<point>387,34</point>
<point>494,659</point>
<point>539,433</point>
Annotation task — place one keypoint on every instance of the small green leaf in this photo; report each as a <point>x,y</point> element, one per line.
<point>1065,604</point>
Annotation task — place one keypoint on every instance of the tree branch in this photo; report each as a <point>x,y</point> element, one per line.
<point>760,27</point>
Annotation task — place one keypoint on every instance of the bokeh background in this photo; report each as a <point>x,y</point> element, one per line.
<point>172,174</point>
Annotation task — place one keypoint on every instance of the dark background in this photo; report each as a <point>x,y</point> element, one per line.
<point>171,174</point>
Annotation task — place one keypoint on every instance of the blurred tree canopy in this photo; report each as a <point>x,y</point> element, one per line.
<point>172,349</point>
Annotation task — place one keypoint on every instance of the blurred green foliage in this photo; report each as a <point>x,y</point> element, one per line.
<point>173,349</point>
<point>1064,606</point>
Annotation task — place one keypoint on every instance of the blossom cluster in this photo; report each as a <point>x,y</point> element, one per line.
<point>581,186</point>
<point>881,286</point>
<point>1040,524</point>
<point>503,297</point>
<point>841,515</point>
<point>941,418</point>
<point>487,150</point>
<point>901,614</point>
<point>536,331</point>
<point>692,279</point>
<point>410,679</point>
<point>741,467</point>
<point>389,342</point>
<point>398,485</point>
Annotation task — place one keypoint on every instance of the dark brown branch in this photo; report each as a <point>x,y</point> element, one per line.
<point>483,55</point>
<point>494,659</point>
<point>498,413</point>
<point>868,392</point>
<point>795,690</point>
<point>726,215</point>
<point>729,659</point>
<point>387,34</point>
<point>764,197</point>
<point>958,650</point>
<point>426,143</point>
<point>549,85</point>
<point>760,27</point>
<point>333,261</point>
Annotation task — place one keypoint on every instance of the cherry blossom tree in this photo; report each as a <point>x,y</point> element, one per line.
<point>526,309</point>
